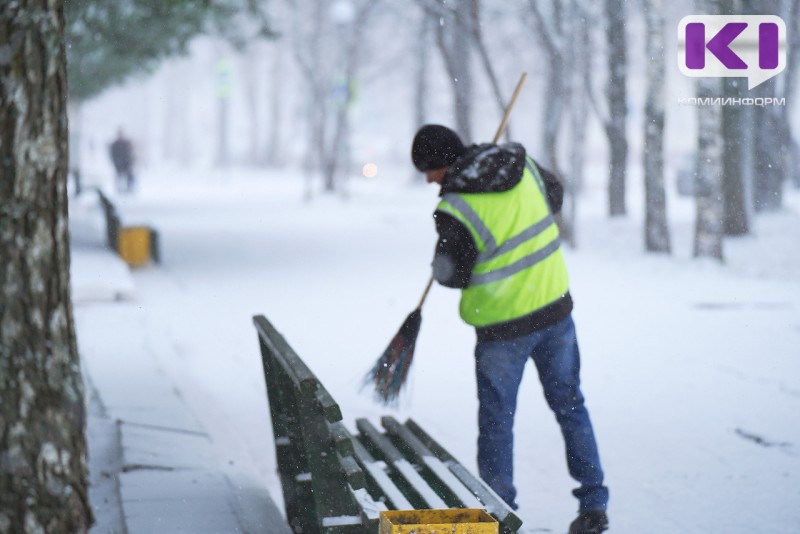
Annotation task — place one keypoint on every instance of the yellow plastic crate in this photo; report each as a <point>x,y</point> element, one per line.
<point>134,245</point>
<point>451,521</point>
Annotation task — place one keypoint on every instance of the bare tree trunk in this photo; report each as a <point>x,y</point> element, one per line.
<point>173,96</point>
<point>453,37</point>
<point>580,58</point>
<point>252,92</point>
<point>43,481</point>
<point>327,43</point>
<point>551,35</point>
<point>421,48</point>
<point>708,183</point>
<point>337,158</point>
<point>307,33</point>
<point>733,185</point>
<point>747,159</point>
<point>483,54</point>
<point>736,212</point>
<point>223,71</point>
<point>768,187</point>
<point>656,230</point>
<point>421,72</point>
<point>792,162</point>
<point>276,103</point>
<point>553,111</point>
<point>616,94</point>
<point>75,113</point>
<point>710,146</point>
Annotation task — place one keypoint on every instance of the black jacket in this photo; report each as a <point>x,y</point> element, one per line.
<point>486,169</point>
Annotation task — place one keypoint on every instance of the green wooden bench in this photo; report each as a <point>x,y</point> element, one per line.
<point>335,482</point>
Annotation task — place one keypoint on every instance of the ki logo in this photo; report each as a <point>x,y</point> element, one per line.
<point>751,46</point>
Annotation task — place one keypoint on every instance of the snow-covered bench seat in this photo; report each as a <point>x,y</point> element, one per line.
<point>337,483</point>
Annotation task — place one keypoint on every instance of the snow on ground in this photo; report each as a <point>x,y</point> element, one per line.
<point>691,370</point>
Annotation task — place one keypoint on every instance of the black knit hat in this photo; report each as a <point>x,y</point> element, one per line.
<point>435,147</point>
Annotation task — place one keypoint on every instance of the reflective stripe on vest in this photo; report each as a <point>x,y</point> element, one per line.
<point>528,261</point>
<point>492,251</point>
<point>518,250</point>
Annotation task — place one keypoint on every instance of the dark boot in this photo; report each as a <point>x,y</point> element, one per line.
<point>591,522</point>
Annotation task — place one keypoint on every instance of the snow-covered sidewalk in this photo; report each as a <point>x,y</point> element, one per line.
<point>154,468</point>
<point>690,369</point>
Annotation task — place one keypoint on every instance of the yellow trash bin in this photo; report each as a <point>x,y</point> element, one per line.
<point>450,521</point>
<point>133,243</point>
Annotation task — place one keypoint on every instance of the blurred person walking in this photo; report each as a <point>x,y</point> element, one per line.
<point>499,244</point>
<point>123,160</point>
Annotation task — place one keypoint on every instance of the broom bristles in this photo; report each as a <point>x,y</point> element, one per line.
<point>389,373</point>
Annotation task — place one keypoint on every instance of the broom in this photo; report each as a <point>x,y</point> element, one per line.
<point>389,373</point>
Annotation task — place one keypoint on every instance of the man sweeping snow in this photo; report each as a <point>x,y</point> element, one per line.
<point>499,244</point>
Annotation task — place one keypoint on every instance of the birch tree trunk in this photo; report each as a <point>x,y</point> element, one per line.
<point>252,63</point>
<point>580,52</point>
<point>617,96</point>
<point>422,59</point>
<point>276,103</point>
<point>483,54</point>
<point>736,214</point>
<point>792,164</point>
<point>43,481</point>
<point>550,31</point>
<point>336,161</point>
<point>710,146</point>
<point>768,186</point>
<point>223,73</point>
<point>656,230</point>
<point>173,96</point>
<point>733,186</point>
<point>453,37</point>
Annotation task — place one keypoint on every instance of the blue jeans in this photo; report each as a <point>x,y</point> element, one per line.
<point>499,366</point>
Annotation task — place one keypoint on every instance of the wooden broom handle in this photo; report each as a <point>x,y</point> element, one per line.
<point>425,293</point>
<point>510,105</point>
<point>497,135</point>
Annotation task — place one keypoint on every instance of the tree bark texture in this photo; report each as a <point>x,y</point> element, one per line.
<point>276,104</point>
<point>486,61</point>
<point>307,29</point>
<point>453,36</point>
<point>421,74</point>
<point>43,474</point>
<point>772,131</point>
<point>251,63</point>
<point>580,58</point>
<point>792,153</point>
<point>734,131</point>
<point>336,161</point>
<point>617,96</point>
<point>733,188</point>
<point>768,186</point>
<point>710,147</point>
<point>656,232</point>
<point>550,32</point>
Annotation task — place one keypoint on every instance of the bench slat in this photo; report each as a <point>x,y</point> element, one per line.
<point>353,473</point>
<point>341,438</point>
<point>491,501</point>
<point>397,462</point>
<point>329,407</point>
<point>425,458</point>
<point>300,374</point>
<point>376,471</point>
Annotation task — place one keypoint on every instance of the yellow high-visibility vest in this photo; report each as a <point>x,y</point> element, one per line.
<point>520,266</point>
